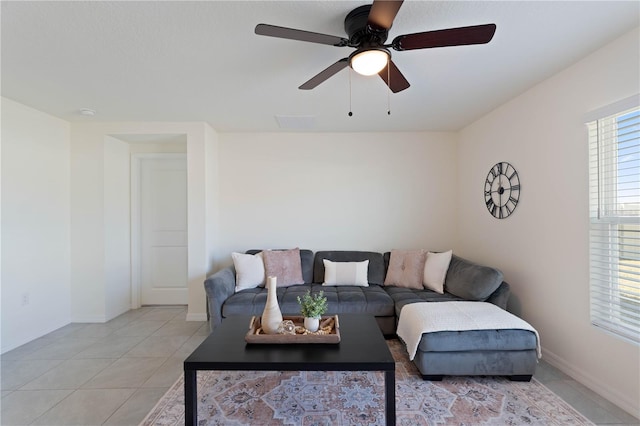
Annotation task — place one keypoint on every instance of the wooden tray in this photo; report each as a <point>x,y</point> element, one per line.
<point>255,334</point>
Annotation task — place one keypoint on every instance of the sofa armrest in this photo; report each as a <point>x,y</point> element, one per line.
<point>500,297</point>
<point>219,287</point>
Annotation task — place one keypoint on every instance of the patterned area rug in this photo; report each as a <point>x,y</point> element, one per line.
<point>357,398</point>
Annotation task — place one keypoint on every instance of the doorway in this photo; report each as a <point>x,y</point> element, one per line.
<point>159,229</point>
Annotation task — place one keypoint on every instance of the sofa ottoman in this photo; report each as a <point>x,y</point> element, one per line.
<point>468,339</point>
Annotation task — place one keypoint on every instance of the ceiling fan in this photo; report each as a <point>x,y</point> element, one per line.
<point>368,27</point>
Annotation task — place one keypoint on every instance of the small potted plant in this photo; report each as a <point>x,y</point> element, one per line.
<point>312,307</point>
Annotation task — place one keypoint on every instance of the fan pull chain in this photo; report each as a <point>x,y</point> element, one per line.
<point>350,112</point>
<point>389,91</point>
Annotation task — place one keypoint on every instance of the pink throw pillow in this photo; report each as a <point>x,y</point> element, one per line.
<point>406,268</point>
<point>285,265</point>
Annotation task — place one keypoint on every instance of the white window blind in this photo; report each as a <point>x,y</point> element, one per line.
<point>614,210</point>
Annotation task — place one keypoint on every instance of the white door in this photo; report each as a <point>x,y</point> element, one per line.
<point>163,231</point>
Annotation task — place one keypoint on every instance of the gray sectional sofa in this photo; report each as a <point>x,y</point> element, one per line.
<point>464,281</point>
<point>495,352</point>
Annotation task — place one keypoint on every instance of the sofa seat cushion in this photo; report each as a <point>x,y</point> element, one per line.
<point>246,302</point>
<point>358,300</point>
<point>402,296</point>
<point>372,300</point>
<point>478,340</point>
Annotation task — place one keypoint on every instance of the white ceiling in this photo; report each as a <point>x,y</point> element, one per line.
<point>201,61</point>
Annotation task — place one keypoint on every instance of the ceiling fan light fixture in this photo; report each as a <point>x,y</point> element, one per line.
<point>368,28</point>
<point>369,61</point>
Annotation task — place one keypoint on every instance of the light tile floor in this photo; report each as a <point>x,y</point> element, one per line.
<point>93,374</point>
<point>114,373</point>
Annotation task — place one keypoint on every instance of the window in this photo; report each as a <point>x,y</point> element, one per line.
<point>614,210</point>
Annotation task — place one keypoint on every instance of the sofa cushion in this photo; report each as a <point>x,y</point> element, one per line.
<point>402,296</point>
<point>478,340</point>
<point>406,268</point>
<point>249,270</point>
<point>284,265</point>
<point>306,263</point>
<point>372,300</point>
<point>345,273</point>
<point>375,274</point>
<point>435,270</point>
<point>470,281</point>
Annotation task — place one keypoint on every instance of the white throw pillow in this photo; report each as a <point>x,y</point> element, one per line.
<point>249,270</point>
<point>435,270</point>
<point>346,273</point>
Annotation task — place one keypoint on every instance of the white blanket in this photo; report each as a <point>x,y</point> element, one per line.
<point>429,317</point>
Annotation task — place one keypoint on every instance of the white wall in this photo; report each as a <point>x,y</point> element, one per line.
<point>35,224</point>
<point>87,227</point>
<point>117,226</point>
<point>202,211</point>
<point>213,207</point>
<point>543,247</point>
<point>341,191</point>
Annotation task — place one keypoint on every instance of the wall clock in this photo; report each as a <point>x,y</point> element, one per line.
<point>502,190</point>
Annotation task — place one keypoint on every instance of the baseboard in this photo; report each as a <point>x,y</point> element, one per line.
<point>197,317</point>
<point>114,314</point>
<point>613,395</point>
<point>16,343</point>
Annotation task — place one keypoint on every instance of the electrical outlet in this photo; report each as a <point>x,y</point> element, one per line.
<point>25,299</point>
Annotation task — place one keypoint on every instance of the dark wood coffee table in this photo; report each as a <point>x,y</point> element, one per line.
<point>362,348</point>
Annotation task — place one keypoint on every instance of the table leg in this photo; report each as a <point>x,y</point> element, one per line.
<point>390,396</point>
<point>190,398</point>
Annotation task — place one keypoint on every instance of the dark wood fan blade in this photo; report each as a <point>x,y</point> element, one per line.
<point>293,34</point>
<point>383,12</point>
<point>325,74</point>
<point>394,78</point>
<point>478,34</point>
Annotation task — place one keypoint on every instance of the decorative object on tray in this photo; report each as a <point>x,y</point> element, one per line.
<point>292,330</point>
<point>271,316</point>
<point>287,327</point>
<point>312,307</point>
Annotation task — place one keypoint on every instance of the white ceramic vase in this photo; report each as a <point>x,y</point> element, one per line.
<point>311,324</point>
<point>271,316</point>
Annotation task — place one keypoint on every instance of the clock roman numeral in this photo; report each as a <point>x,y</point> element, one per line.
<point>515,187</point>
<point>513,200</point>
<point>490,204</point>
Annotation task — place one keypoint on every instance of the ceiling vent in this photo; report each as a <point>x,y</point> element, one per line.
<point>296,122</point>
